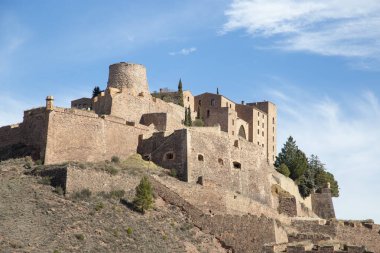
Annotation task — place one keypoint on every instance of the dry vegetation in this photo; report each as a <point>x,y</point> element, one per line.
<point>36,217</point>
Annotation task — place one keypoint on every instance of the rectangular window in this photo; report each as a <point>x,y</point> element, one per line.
<point>258,143</point>
<point>233,133</point>
<point>233,122</point>
<point>258,123</point>
<point>263,133</point>
<point>262,145</point>
<point>273,129</point>
<point>258,114</point>
<point>258,131</point>
<point>263,125</point>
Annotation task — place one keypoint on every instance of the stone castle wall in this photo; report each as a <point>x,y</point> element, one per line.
<point>237,165</point>
<point>322,204</point>
<point>27,138</point>
<point>75,135</point>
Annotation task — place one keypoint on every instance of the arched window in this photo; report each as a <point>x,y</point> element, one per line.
<point>200,158</point>
<point>208,113</point>
<point>242,132</point>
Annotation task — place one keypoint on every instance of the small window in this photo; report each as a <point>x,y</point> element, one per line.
<point>220,161</point>
<point>188,99</point>
<point>263,115</point>
<point>273,129</point>
<point>258,123</point>
<point>230,105</point>
<point>169,156</point>
<point>200,158</point>
<point>233,132</point>
<point>237,165</point>
<point>213,103</point>
<point>236,143</point>
<point>233,122</point>
<point>200,102</point>
<point>258,143</point>
<point>273,120</point>
<point>258,131</point>
<point>208,113</point>
<point>258,114</point>
<point>262,145</point>
<point>262,125</point>
<point>273,148</point>
<point>262,133</point>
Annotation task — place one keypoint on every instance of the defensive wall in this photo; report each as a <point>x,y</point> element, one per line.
<point>26,138</point>
<point>209,154</point>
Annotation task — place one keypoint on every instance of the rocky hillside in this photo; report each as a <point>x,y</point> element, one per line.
<point>36,217</point>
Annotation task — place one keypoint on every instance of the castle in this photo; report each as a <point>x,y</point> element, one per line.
<point>234,152</point>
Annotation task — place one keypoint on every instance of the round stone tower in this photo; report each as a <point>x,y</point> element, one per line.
<point>128,77</point>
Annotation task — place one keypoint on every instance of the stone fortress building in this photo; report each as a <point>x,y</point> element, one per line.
<point>231,158</point>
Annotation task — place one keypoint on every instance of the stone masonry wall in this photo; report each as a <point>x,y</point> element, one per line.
<point>246,233</point>
<point>322,204</point>
<point>75,135</point>
<point>236,165</point>
<point>29,135</point>
<point>167,149</point>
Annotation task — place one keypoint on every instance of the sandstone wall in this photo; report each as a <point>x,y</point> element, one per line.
<point>167,149</point>
<point>236,165</point>
<point>76,135</point>
<point>322,204</point>
<point>288,185</point>
<point>132,108</point>
<point>246,233</point>
<point>27,138</point>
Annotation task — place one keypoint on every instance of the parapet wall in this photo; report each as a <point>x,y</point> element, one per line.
<point>76,135</point>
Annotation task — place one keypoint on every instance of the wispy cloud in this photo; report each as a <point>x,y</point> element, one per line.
<point>341,28</point>
<point>184,51</point>
<point>344,134</point>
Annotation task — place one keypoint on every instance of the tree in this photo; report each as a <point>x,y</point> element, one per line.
<point>293,158</point>
<point>96,91</point>
<point>217,91</point>
<point>144,195</point>
<point>186,122</point>
<point>180,93</point>
<point>333,184</point>
<point>284,170</point>
<point>190,121</point>
<point>306,184</point>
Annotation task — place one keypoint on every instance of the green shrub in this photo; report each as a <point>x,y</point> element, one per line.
<point>115,159</point>
<point>144,195</point>
<point>198,123</point>
<point>38,162</point>
<point>45,180</point>
<point>129,231</point>
<point>80,237</point>
<point>117,194</point>
<point>173,173</point>
<point>59,190</point>
<point>82,195</point>
<point>111,169</point>
<point>99,206</point>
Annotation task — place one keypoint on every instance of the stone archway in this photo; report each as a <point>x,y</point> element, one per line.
<point>242,132</point>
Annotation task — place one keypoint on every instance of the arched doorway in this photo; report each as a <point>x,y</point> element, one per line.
<point>242,132</point>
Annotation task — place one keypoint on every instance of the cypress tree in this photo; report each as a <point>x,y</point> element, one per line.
<point>186,122</point>
<point>217,91</point>
<point>180,93</point>
<point>190,122</point>
<point>95,91</point>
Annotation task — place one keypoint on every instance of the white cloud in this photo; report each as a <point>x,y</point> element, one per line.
<point>336,27</point>
<point>345,136</point>
<point>184,51</point>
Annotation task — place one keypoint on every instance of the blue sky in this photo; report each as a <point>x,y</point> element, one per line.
<point>317,60</point>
